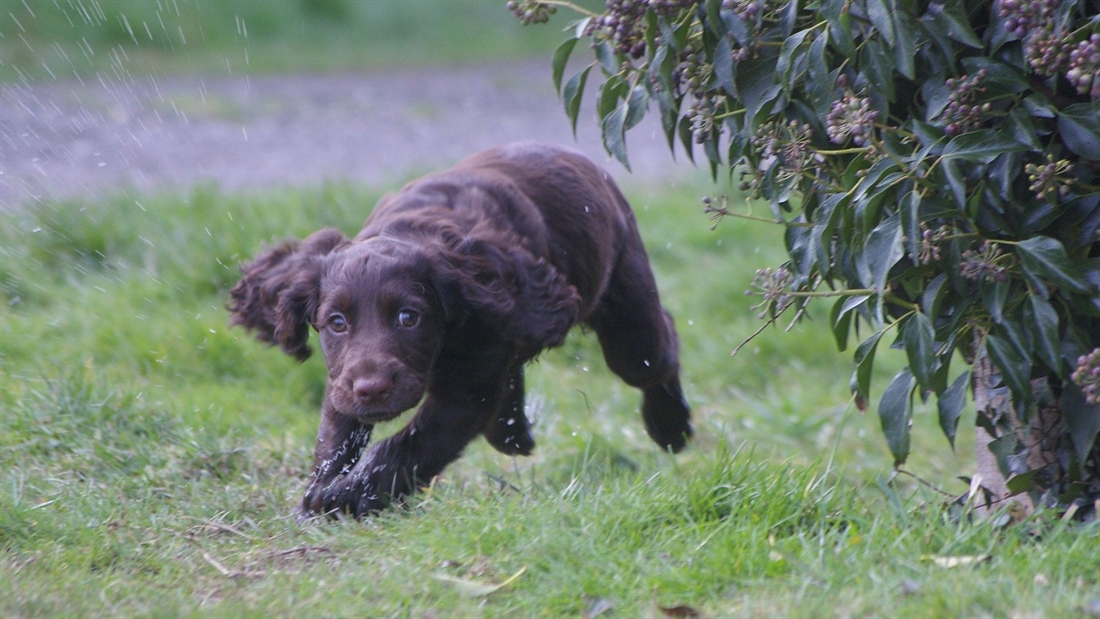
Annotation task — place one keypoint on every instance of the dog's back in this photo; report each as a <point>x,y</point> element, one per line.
<point>560,206</point>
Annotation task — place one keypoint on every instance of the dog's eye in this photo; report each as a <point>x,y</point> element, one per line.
<point>337,323</point>
<point>407,318</point>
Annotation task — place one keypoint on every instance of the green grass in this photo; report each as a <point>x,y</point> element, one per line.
<point>149,457</point>
<point>43,39</point>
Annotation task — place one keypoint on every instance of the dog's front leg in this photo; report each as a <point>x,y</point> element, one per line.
<point>340,442</point>
<point>396,467</point>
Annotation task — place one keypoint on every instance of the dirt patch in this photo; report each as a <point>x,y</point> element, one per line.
<point>83,138</point>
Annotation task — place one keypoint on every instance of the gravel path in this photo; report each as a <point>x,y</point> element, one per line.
<point>83,138</point>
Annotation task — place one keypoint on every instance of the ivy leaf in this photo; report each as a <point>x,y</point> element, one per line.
<point>880,18</point>
<point>895,411</point>
<point>952,18</point>
<point>636,106</point>
<point>881,252</point>
<point>1041,319</point>
<point>606,55</point>
<point>955,181</point>
<point>981,146</point>
<point>840,317</point>
<point>1079,126</point>
<point>933,295</point>
<point>1081,418</point>
<point>865,362</point>
<point>561,57</point>
<point>786,61</point>
<point>950,404</point>
<point>1014,369</point>
<point>614,133</point>
<point>993,296</point>
<point>755,81</point>
<point>1046,257</point>
<point>905,50</point>
<point>574,91</point>
<point>608,95</point>
<point>920,348</point>
<point>687,137</point>
<point>723,65</point>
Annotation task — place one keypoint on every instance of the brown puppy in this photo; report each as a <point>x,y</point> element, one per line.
<point>453,284</point>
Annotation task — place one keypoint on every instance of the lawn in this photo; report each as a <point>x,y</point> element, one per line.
<point>150,457</point>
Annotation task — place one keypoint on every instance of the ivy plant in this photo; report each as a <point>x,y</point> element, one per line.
<point>936,166</point>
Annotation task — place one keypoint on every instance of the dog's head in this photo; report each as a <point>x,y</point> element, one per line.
<point>385,306</point>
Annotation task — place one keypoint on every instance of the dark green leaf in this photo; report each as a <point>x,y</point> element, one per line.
<point>687,137</point>
<point>1082,419</point>
<point>933,295</point>
<point>841,321</point>
<point>1024,129</point>
<point>606,55</point>
<point>880,19</point>
<point>980,146</point>
<point>608,96</point>
<point>865,363</point>
<point>1004,448</point>
<point>955,181</point>
<point>723,65</point>
<point>920,348</point>
<point>819,85</point>
<point>877,66</point>
<point>1042,321</point>
<point>1014,369</point>
<point>952,18</point>
<point>839,18</point>
<point>1079,126</point>
<point>786,61</point>
<point>951,404</point>
<point>910,209</point>
<point>993,296</point>
<point>574,91</point>
<point>905,49</point>
<point>636,106</point>
<point>1022,482</point>
<point>881,252</point>
<point>561,57</point>
<point>895,411</point>
<point>614,134</point>
<point>1045,257</point>
<point>755,81</point>
<point>1020,339</point>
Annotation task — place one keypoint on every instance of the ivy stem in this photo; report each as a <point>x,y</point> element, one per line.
<point>569,5</point>
<point>846,292</point>
<point>722,212</point>
<point>729,114</point>
<point>844,151</point>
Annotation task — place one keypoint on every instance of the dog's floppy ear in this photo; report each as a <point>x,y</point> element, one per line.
<point>524,297</point>
<point>279,290</point>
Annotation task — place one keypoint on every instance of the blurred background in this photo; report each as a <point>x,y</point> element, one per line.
<point>125,94</point>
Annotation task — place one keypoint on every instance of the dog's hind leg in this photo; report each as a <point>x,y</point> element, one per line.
<point>640,344</point>
<point>509,431</point>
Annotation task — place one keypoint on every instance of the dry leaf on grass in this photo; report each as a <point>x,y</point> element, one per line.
<point>955,561</point>
<point>679,612</point>
<point>473,588</point>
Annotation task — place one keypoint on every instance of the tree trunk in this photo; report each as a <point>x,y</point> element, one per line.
<point>1017,460</point>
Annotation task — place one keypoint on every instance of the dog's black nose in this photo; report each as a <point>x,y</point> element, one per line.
<point>373,389</point>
